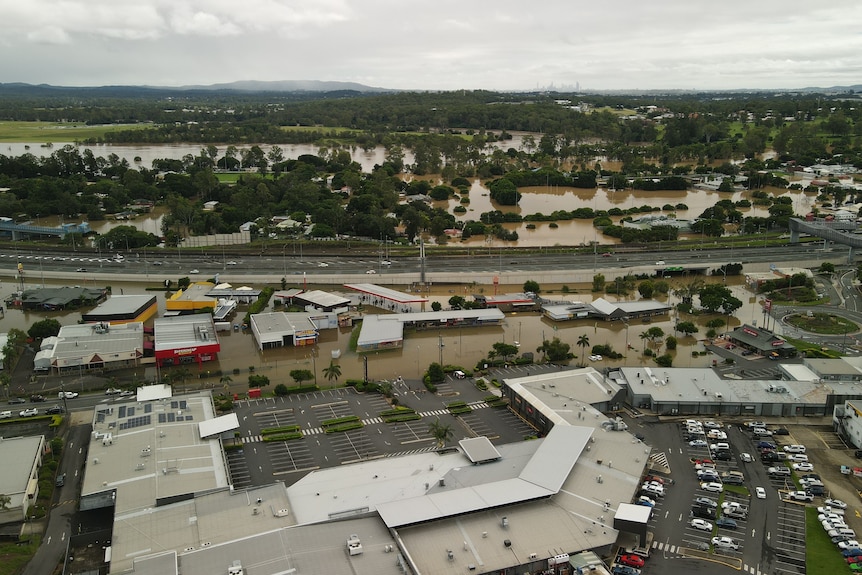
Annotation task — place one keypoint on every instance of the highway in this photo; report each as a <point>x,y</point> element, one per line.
<point>331,269</point>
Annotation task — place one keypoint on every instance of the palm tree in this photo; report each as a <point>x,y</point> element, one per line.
<point>332,372</point>
<point>225,382</point>
<point>583,343</point>
<point>644,337</point>
<point>181,375</point>
<point>442,432</point>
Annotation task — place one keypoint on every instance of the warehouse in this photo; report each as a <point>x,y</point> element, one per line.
<point>123,309</point>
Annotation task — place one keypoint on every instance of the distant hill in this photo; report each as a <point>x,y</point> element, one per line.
<point>245,87</point>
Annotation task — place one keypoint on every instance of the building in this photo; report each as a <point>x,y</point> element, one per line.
<point>185,339</point>
<point>317,300</point>
<point>387,298</point>
<point>19,475</point>
<point>55,299</point>
<point>92,346</point>
<point>194,298</point>
<point>386,331</point>
<point>281,329</point>
<point>508,302</point>
<point>123,309</point>
<point>761,341</point>
<point>847,422</point>
<point>604,310</point>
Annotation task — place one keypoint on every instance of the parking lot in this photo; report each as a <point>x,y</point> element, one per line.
<point>789,541</point>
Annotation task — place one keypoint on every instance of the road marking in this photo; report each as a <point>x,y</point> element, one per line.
<point>768,535</point>
<point>753,532</point>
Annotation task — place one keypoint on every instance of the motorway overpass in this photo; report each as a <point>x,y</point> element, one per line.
<point>837,231</point>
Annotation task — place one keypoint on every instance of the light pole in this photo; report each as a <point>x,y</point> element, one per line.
<point>440,345</point>
<point>283,261</point>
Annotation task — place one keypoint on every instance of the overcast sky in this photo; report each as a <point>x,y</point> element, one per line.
<point>435,44</point>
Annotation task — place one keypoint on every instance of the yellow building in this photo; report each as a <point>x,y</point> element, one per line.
<point>192,299</point>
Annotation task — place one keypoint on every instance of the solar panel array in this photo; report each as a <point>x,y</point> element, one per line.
<point>133,422</point>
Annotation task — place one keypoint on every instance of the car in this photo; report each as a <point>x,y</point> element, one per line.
<point>716,434</point>
<point>780,431</point>
<point>810,477</point>
<point>779,471</point>
<point>706,502</point>
<point>762,432</point>
<point>765,445</point>
<point>833,525</point>
<point>596,358</point>
<point>727,505</point>
<point>67,395</point>
<point>5,414</point>
<point>607,254</point>
<point>751,425</point>
<point>733,480</point>
<point>16,400</point>
<point>28,412</point>
<point>725,543</point>
<point>645,501</point>
<point>852,560</point>
<point>54,410</point>
<point>800,496</point>
<point>746,457</point>
<point>703,512</point>
<point>712,425</point>
<point>702,460</point>
<point>831,517</point>
<point>808,483</point>
<point>721,446</point>
<point>386,263</point>
<point>231,263</point>
<point>697,443</point>
<point>701,524</point>
<point>798,457</point>
<point>760,492</point>
<point>726,523</point>
<point>852,552</point>
<point>36,398</point>
<point>657,479</point>
<point>712,486</point>
<point>61,480</point>
<point>827,510</point>
<point>631,560</point>
<point>194,271</point>
<point>323,265</point>
<point>855,567</point>
<point>723,455</point>
<point>848,544</point>
<point>660,263</point>
<point>846,533</point>
<point>836,503</point>
<point>81,270</point>
<point>653,489</point>
<point>126,393</point>
<point>112,391</point>
<point>805,466</point>
<point>817,490</point>
<point>625,570</point>
<point>839,538</point>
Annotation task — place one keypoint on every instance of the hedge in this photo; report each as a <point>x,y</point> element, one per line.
<point>458,407</point>
<point>343,427</point>
<point>283,436</point>
<point>400,418</point>
<point>284,429</point>
<point>396,411</point>
<point>339,420</point>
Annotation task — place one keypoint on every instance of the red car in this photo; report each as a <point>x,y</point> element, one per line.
<point>631,560</point>
<point>852,560</point>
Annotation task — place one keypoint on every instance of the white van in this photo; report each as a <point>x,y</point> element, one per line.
<point>5,415</point>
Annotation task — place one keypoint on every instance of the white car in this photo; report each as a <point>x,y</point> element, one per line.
<point>28,412</point>
<point>712,486</point>
<point>231,263</point>
<point>798,457</point>
<point>760,492</point>
<point>712,425</point>
<point>653,488</point>
<point>746,457</point>
<point>762,432</point>
<point>830,510</point>
<point>721,446</point>
<point>67,395</point>
<point>831,517</point>
<point>804,466</point>
<point>596,358</point>
<point>849,544</point>
<point>829,525</point>
<point>660,263</point>
<point>725,543</point>
<point>386,263</point>
<point>794,448</point>
<point>323,265</point>
<point>194,271</point>
<point>837,503</point>
<point>370,272</point>
<point>701,524</point>
<point>697,443</point>
<point>716,434</point>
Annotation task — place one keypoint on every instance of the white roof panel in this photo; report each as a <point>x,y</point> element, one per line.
<point>218,425</point>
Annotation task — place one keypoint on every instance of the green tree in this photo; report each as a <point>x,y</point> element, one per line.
<point>300,375</point>
<point>457,302</point>
<point>716,296</point>
<point>225,381</point>
<point>281,390</point>
<point>554,350</point>
<point>435,373</point>
<point>436,306</point>
<point>654,333</point>
<point>505,350</point>
<point>670,342</point>
<point>827,268</point>
<point>599,282</point>
<point>583,343</point>
<point>686,327</point>
<point>665,360</point>
<point>646,289</point>
<point>441,432</point>
<point>532,286</point>
<point>255,380</point>
<point>332,372</point>
<point>180,375</point>
<point>44,328</point>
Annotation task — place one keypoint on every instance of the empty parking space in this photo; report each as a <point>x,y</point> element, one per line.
<point>239,473</point>
<point>332,410</point>
<point>412,432</point>
<point>832,440</point>
<point>351,446</point>
<point>290,456</point>
<point>511,422</point>
<point>476,425</point>
<point>790,539</point>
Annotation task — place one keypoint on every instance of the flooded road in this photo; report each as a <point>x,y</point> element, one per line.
<point>462,347</point>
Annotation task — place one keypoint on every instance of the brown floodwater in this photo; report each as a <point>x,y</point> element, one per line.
<point>462,347</point>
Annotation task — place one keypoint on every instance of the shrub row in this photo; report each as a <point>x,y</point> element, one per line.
<point>396,411</point>
<point>283,436</point>
<point>339,420</point>
<point>458,408</point>
<point>343,427</point>
<point>283,429</point>
<point>400,418</point>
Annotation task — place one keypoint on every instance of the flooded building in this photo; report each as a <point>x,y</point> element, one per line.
<point>56,299</point>
<point>386,331</point>
<point>92,346</point>
<point>185,339</point>
<point>123,309</point>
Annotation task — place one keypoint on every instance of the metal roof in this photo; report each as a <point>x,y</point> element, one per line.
<point>479,449</point>
<point>386,293</point>
<point>218,425</point>
<point>184,331</point>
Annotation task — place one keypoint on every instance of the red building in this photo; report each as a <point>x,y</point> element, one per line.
<point>185,339</point>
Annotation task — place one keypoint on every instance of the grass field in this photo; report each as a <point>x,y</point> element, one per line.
<point>45,132</point>
<point>821,555</point>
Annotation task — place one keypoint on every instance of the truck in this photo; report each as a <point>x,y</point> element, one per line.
<point>847,470</point>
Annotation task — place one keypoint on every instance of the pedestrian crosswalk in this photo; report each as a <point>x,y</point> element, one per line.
<point>474,405</point>
<point>684,550</point>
